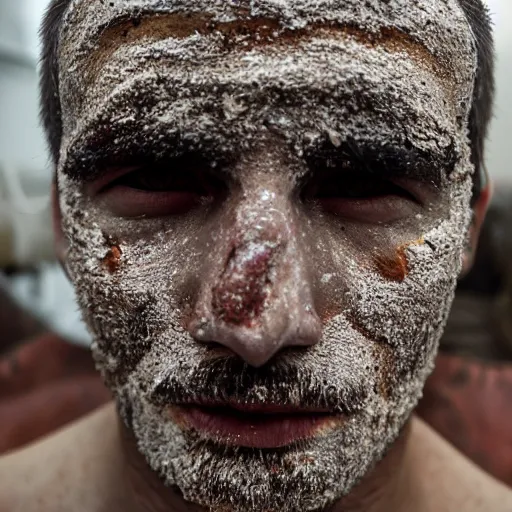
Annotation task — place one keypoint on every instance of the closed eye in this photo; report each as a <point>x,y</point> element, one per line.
<point>374,183</point>
<point>362,196</point>
<point>159,189</point>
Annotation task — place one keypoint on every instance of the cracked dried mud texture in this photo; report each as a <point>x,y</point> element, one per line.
<point>396,72</point>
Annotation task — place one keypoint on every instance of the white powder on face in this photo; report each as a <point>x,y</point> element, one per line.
<point>135,287</point>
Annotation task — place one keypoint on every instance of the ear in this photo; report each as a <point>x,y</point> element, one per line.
<point>60,243</point>
<point>479,211</point>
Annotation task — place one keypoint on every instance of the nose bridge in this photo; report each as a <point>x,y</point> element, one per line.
<point>258,299</point>
<point>257,247</point>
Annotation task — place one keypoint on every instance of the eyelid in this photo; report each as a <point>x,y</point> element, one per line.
<point>108,177</point>
<point>128,202</point>
<point>391,200</point>
<point>372,211</point>
<point>423,192</point>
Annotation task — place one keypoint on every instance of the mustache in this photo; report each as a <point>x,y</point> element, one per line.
<point>230,380</point>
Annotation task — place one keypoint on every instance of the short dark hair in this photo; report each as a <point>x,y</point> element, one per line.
<point>481,110</point>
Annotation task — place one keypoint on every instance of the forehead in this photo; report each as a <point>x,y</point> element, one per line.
<point>105,46</point>
<point>439,25</point>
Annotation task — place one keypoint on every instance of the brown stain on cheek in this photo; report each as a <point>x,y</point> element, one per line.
<point>112,260</point>
<point>395,267</point>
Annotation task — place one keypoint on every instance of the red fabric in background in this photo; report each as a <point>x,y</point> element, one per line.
<point>44,385</point>
<point>48,383</point>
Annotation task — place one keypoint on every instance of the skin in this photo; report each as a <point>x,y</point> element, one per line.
<point>245,265</point>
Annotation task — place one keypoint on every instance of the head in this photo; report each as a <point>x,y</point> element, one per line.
<point>265,206</point>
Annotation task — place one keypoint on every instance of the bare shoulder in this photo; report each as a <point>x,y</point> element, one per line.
<point>54,474</point>
<point>449,480</point>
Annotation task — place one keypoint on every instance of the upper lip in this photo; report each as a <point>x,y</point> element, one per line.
<point>229,383</point>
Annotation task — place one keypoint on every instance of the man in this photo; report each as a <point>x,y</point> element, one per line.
<point>264,208</point>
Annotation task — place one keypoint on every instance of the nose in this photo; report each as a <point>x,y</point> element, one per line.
<point>258,298</point>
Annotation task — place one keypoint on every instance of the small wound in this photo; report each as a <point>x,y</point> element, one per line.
<point>112,260</point>
<point>240,294</point>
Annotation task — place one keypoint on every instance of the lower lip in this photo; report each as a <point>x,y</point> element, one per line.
<point>253,429</point>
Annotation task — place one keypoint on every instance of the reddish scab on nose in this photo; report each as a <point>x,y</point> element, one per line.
<point>238,297</point>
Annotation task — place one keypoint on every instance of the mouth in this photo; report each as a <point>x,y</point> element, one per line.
<point>253,426</point>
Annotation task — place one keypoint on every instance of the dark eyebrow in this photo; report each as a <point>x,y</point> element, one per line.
<point>108,146</point>
<point>391,160</point>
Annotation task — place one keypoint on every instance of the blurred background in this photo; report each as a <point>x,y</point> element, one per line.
<point>47,377</point>
<point>28,273</point>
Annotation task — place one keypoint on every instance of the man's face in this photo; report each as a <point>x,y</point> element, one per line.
<point>266,210</point>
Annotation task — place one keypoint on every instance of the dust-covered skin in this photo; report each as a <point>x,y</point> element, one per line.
<point>264,292</point>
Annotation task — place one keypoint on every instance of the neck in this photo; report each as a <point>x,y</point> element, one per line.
<point>379,491</point>
<point>382,489</point>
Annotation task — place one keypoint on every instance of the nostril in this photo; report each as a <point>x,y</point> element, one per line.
<point>239,296</point>
<point>216,349</point>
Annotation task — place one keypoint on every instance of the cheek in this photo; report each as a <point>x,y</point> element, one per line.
<point>126,291</point>
<point>123,312</point>
<point>348,268</point>
<point>405,305</point>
